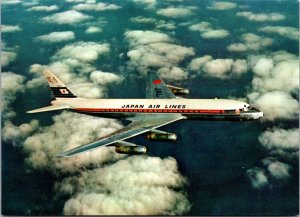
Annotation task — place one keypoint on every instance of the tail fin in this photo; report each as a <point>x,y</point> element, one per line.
<point>58,88</point>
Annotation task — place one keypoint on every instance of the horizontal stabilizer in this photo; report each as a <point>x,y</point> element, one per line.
<point>49,108</point>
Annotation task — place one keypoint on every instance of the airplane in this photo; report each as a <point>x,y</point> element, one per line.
<point>162,106</point>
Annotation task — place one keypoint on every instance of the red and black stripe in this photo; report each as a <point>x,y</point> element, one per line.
<point>132,110</point>
<point>62,92</point>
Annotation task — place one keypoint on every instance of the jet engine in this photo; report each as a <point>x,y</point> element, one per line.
<point>129,148</point>
<point>178,90</point>
<point>161,136</point>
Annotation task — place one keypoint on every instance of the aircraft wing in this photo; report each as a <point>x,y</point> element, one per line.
<point>156,87</point>
<point>140,124</point>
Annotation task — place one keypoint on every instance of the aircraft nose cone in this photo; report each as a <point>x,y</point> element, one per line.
<point>259,115</point>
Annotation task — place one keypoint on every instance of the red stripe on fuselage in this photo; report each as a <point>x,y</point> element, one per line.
<point>104,110</point>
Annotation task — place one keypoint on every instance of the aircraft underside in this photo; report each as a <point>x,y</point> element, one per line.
<point>230,116</point>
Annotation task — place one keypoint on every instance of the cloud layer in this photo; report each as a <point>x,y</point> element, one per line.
<point>44,8</point>
<point>218,68</point>
<point>284,31</point>
<point>222,6</point>
<point>173,12</point>
<point>131,186</point>
<point>276,78</point>
<point>250,42</point>
<point>96,7</point>
<point>261,17</point>
<point>10,28</point>
<point>149,48</point>
<point>11,85</point>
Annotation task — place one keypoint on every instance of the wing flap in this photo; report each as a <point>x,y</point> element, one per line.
<point>50,108</point>
<point>135,128</point>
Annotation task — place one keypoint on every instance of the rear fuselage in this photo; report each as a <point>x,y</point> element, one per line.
<point>211,109</point>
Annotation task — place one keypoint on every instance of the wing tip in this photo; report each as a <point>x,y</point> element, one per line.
<point>61,155</point>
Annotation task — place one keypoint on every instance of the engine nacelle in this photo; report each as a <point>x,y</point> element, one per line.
<point>161,136</point>
<point>178,91</point>
<point>137,149</point>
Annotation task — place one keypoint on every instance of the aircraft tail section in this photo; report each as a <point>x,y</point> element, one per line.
<point>58,88</point>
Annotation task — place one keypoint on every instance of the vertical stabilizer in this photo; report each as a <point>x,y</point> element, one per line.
<point>58,88</point>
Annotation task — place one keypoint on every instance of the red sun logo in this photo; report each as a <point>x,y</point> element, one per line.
<point>157,81</point>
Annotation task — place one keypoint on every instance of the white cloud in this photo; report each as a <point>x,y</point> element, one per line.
<point>141,19</point>
<point>15,135</point>
<point>161,24</point>
<point>255,42</point>
<point>215,34</point>
<point>277,170</point>
<point>148,48</point>
<point>257,177</point>
<point>201,27</point>
<point>93,29</point>
<point>72,64</point>
<point>224,68</point>
<point>131,186</point>
<point>208,32</point>
<point>44,8</point>
<point>251,42</point>
<point>275,72</point>
<point>275,105</point>
<point>141,180</point>
<point>172,12</point>
<point>79,84</point>
<point>55,37</point>
<point>11,85</point>
<point>83,51</point>
<point>237,47</point>
<point>9,28</point>
<point>10,2</point>
<point>197,63</point>
<point>139,37</point>
<point>149,4</point>
<point>222,5</point>
<point>278,138</point>
<point>219,68</point>
<point>7,57</point>
<point>69,130</point>
<point>75,1</point>
<point>263,67</point>
<point>239,66</point>
<point>104,78</point>
<point>67,17</point>
<point>96,7</point>
<point>261,17</point>
<point>30,4</point>
<point>173,73</point>
<point>273,170</point>
<point>285,31</point>
<point>38,80</point>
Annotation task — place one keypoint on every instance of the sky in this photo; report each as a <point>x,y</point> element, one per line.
<point>245,50</point>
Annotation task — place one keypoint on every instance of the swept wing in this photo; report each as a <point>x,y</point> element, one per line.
<point>141,124</point>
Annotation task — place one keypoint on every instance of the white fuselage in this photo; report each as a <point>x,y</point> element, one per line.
<point>217,109</point>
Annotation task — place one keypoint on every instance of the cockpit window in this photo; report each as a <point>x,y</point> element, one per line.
<point>253,108</point>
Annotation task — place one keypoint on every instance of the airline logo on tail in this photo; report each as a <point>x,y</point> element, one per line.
<point>64,91</point>
<point>52,80</point>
